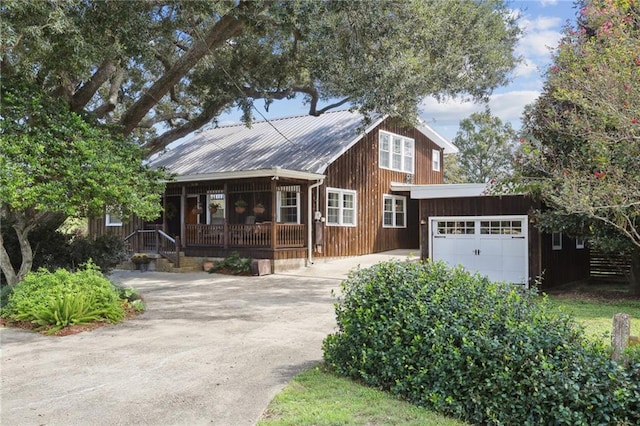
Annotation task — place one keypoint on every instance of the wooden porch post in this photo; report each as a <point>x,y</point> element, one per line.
<point>274,216</point>
<point>183,213</point>
<point>225,224</point>
<point>164,211</point>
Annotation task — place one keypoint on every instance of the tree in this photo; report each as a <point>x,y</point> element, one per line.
<point>486,147</point>
<point>581,153</point>
<point>54,164</point>
<point>162,69</point>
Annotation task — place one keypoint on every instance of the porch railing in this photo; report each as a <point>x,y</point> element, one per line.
<point>291,235</point>
<point>245,235</point>
<point>154,241</point>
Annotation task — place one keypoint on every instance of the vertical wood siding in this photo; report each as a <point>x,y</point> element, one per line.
<point>358,169</point>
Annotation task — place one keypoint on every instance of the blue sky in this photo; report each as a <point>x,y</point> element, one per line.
<point>542,22</point>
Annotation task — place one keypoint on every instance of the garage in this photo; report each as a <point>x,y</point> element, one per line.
<point>495,246</point>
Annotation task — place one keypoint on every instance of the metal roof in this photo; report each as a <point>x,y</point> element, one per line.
<point>302,143</point>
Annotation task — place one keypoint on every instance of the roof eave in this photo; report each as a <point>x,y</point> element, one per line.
<point>275,172</point>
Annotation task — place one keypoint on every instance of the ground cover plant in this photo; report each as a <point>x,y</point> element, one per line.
<point>233,264</point>
<point>319,397</point>
<point>487,353</point>
<point>53,301</point>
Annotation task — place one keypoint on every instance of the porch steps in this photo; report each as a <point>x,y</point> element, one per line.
<point>187,264</point>
<point>160,264</point>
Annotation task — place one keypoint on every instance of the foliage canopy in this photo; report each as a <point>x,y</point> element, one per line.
<point>162,69</point>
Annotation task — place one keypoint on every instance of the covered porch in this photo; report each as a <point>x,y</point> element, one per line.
<point>262,214</point>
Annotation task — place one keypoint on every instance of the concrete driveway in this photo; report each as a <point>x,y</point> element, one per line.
<point>210,349</point>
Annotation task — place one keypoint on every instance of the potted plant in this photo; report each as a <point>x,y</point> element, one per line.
<point>213,207</point>
<point>241,206</point>
<point>258,208</point>
<point>141,260</point>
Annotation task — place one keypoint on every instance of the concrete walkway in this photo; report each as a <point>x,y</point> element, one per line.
<point>210,349</point>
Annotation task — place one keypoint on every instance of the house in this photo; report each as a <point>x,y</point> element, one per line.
<point>294,189</point>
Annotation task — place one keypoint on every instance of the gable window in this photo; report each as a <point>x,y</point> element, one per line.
<point>396,152</point>
<point>394,211</point>
<point>556,241</point>
<point>111,219</point>
<point>435,160</point>
<point>341,207</point>
<point>288,204</point>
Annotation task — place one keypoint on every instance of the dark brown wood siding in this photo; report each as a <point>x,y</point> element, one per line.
<point>482,206</point>
<point>358,170</point>
<point>97,226</point>
<point>563,266</point>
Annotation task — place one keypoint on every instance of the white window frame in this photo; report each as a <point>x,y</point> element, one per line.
<point>279,206</point>
<point>407,153</point>
<point>435,160</point>
<point>393,211</point>
<point>579,243</point>
<point>556,241</point>
<point>341,209</point>
<point>109,222</point>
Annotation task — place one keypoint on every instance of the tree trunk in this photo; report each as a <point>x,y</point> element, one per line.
<point>22,231</point>
<point>634,278</point>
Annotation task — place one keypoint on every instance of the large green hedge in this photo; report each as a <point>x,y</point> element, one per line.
<point>487,353</point>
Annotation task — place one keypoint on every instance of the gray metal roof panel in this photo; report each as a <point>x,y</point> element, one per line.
<point>304,143</point>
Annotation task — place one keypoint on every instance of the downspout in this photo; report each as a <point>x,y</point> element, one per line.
<point>310,219</point>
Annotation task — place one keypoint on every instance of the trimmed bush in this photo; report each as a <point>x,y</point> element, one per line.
<point>487,353</point>
<point>61,298</point>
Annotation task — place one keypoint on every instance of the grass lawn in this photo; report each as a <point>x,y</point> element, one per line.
<point>595,312</point>
<point>317,397</point>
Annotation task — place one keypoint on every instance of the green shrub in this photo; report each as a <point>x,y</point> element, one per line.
<point>106,251</point>
<point>61,298</point>
<point>234,263</point>
<point>488,353</point>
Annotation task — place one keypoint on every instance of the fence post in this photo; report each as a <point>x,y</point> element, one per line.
<point>620,334</point>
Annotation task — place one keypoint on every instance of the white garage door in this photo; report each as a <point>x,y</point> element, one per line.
<point>495,246</point>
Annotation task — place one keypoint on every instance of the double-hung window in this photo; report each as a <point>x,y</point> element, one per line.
<point>289,204</point>
<point>394,211</point>
<point>396,152</point>
<point>435,160</point>
<point>341,207</point>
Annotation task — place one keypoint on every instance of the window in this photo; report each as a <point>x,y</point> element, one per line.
<point>579,243</point>
<point>341,207</point>
<point>394,212</point>
<point>556,241</point>
<point>501,227</point>
<point>396,152</point>
<point>435,160</point>
<point>456,227</point>
<point>112,220</point>
<point>289,204</point>
<point>216,209</point>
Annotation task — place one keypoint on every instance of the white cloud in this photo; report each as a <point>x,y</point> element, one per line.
<point>445,117</point>
<point>548,2</point>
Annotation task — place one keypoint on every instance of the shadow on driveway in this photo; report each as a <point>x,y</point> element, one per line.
<point>210,349</point>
